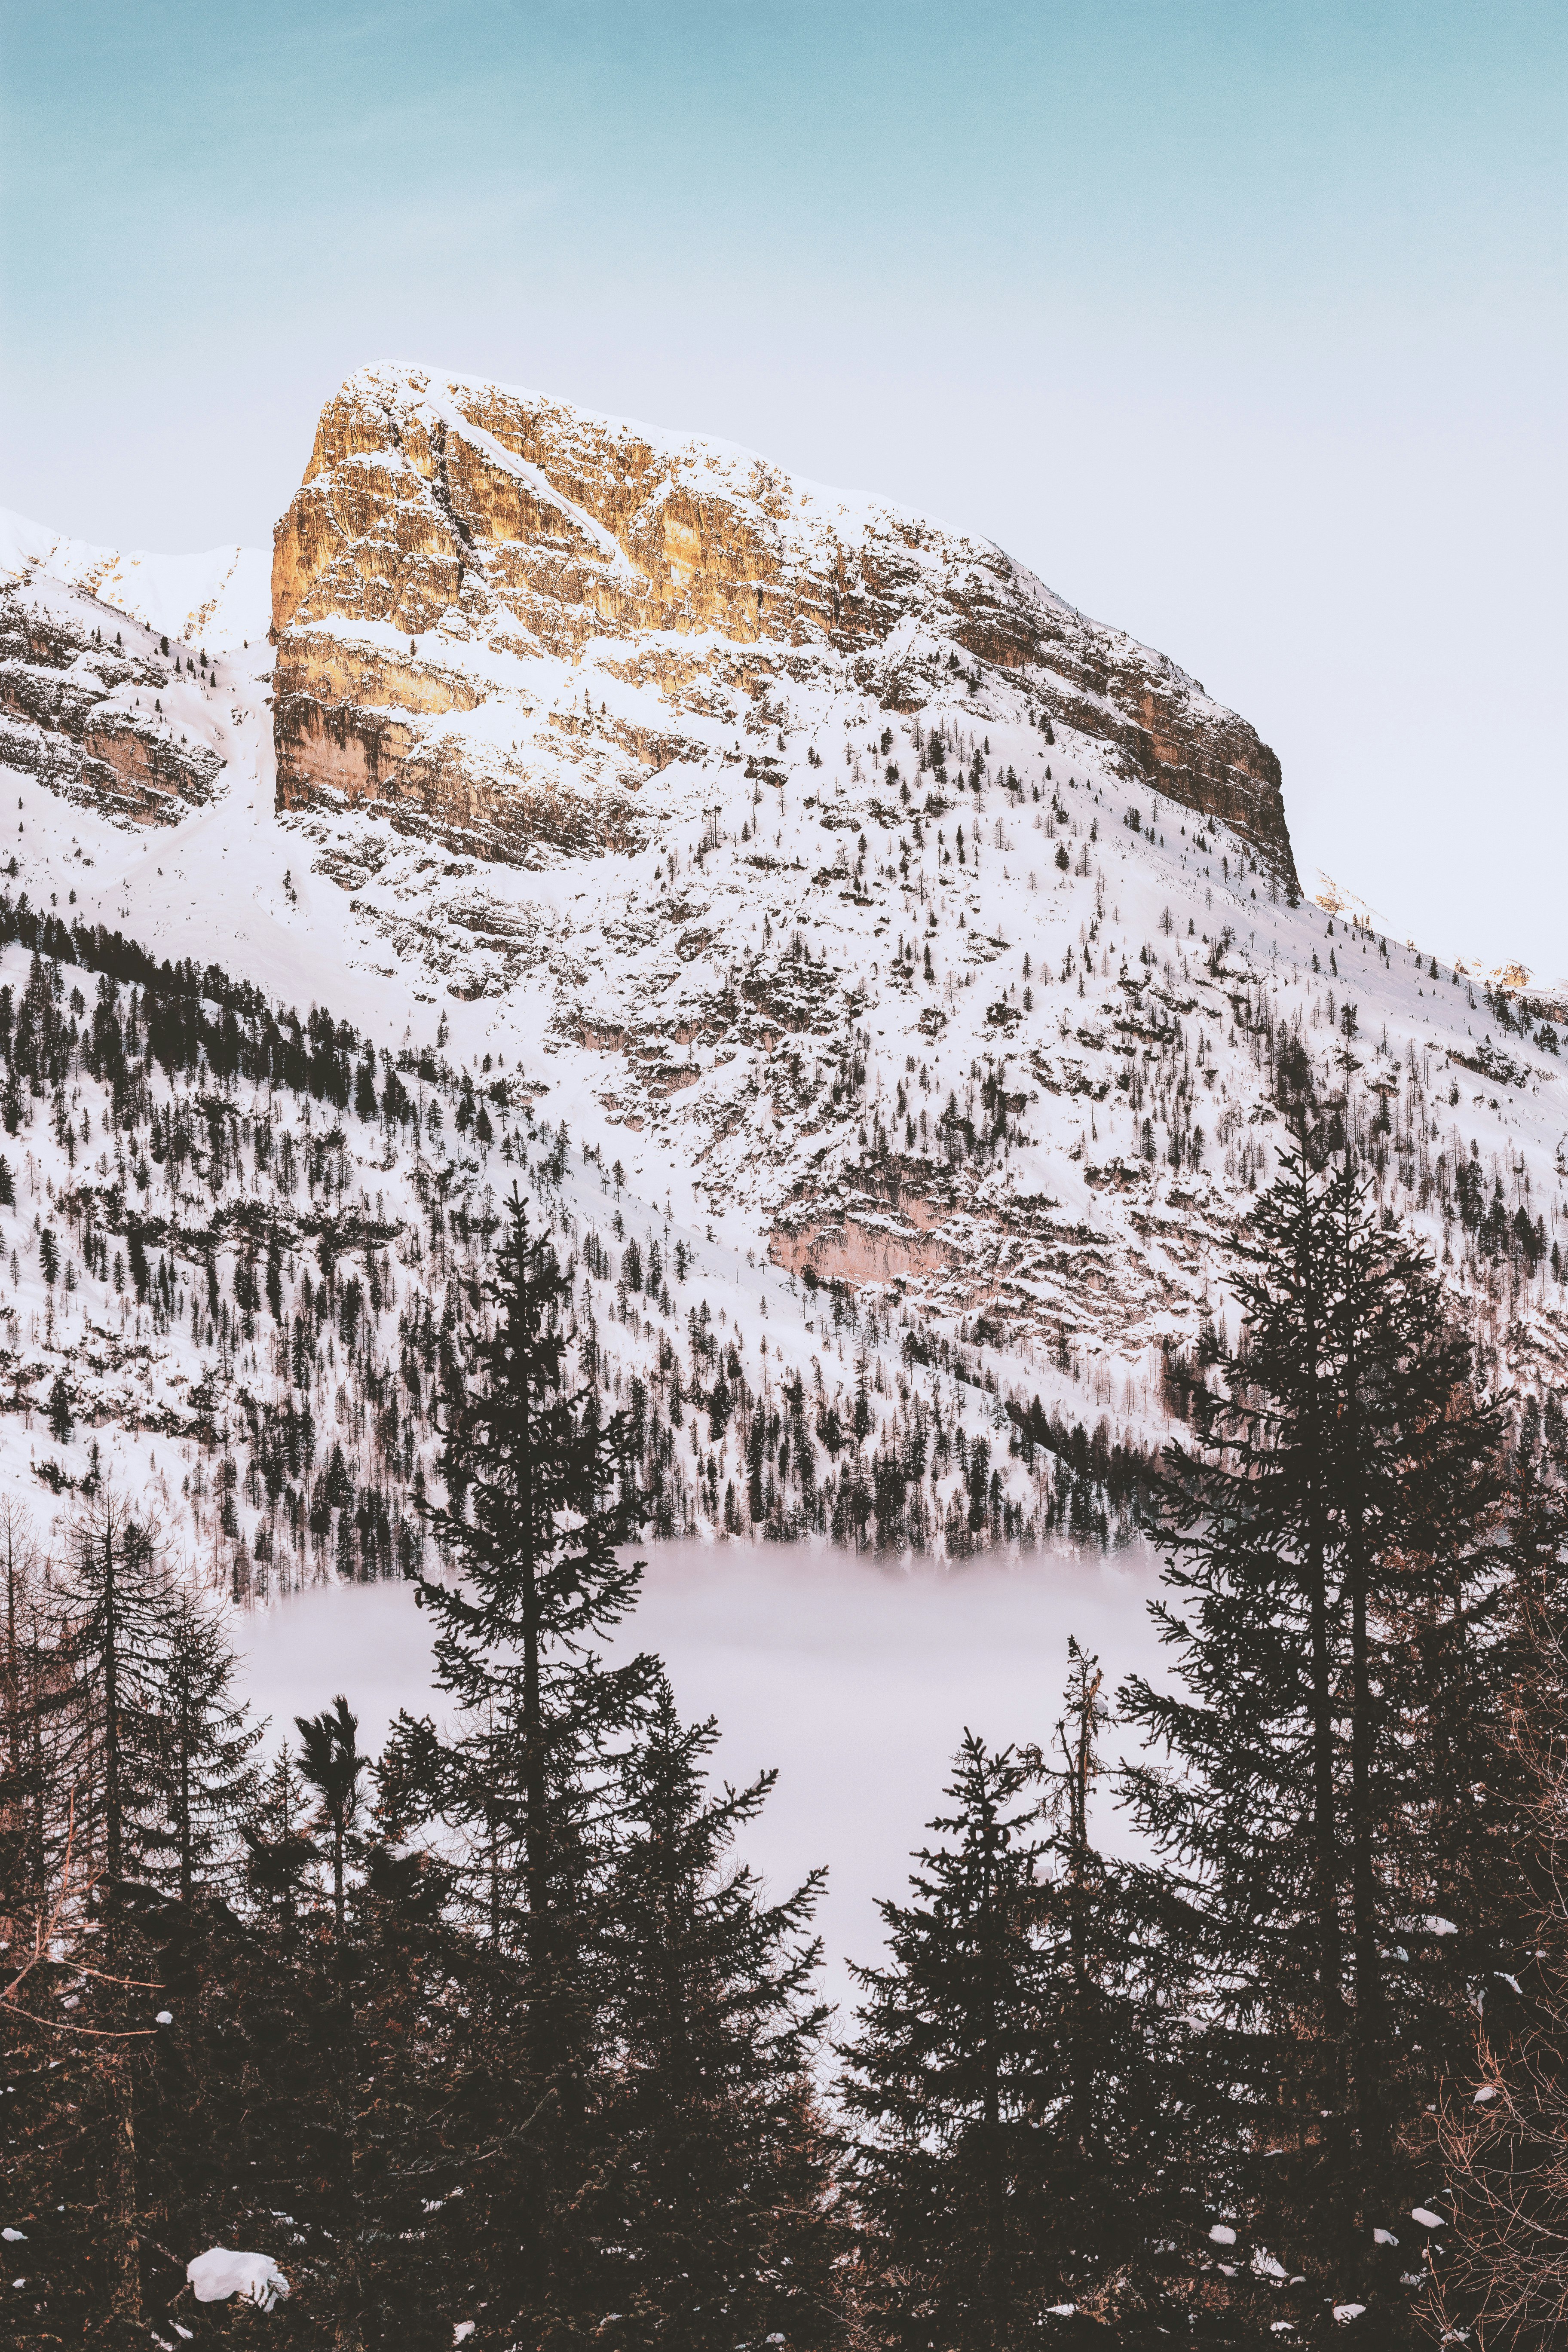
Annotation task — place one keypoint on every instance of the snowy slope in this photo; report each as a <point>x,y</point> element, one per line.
<point>1033,1159</point>
<point>218,599</point>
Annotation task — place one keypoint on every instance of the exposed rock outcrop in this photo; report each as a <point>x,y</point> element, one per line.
<point>500,618</point>
<point>93,708</point>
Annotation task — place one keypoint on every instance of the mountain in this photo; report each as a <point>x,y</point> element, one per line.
<point>588,606</point>
<point>91,702</point>
<point>893,986</point>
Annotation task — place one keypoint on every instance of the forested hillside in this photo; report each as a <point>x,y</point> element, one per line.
<point>242,1247</point>
<point>495,2037</point>
<point>240,1242</point>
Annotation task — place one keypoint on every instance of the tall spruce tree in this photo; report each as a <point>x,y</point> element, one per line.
<point>206,1740</point>
<point>410,1979</point>
<point>279,1849</point>
<point>1118,2133</point>
<point>540,1507</point>
<point>117,1600</point>
<point>708,2190</point>
<point>1328,1548</point>
<point>333,1767</point>
<point>330,1764</point>
<point>949,2074</point>
<point>36,1698</point>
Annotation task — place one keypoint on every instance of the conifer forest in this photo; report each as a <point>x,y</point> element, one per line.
<point>494,2037</point>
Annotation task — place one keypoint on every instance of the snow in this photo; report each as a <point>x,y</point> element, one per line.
<point>1383,2238</point>
<point>1222,2234</point>
<point>216,600</point>
<point>1428,2218</point>
<point>848,1676</point>
<point>380,940</point>
<point>1346,2311</point>
<point>219,2273</point>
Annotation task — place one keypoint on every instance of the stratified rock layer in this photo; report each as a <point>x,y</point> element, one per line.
<point>498,617</point>
<point>82,706</point>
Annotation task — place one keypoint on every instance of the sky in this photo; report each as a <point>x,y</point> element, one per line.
<point>1242,325</point>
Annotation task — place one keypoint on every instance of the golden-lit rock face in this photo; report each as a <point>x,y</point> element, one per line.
<point>495,615</point>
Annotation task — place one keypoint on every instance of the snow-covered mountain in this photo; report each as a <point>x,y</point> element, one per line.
<point>598,618</point>
<point>794,886</point>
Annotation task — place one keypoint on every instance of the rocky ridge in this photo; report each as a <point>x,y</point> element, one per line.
<point>96,708</point>
<point>504,621</point>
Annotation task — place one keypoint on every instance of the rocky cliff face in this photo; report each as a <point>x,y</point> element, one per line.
<point>503,622</point>
<point>91,706</point>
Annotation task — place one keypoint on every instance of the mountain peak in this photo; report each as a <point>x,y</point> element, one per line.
<point>498,615</point>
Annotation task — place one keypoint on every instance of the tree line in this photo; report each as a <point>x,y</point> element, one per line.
<point>495,2038</point>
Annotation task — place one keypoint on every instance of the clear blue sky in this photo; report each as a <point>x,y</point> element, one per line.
<point>1243,324</point>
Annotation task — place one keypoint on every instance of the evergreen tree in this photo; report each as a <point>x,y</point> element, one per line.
<point>118,1602</point>
<point>331,1765</point>
<point>950,2075</point>
<point>413,2264</point>
<point>34,1701</point>
<point>280,1849</point>
<point>708,2191</point>
<point>538,1507</point>
<point>99,1809</point>
<point>207,1740</point>
<point>1501,2273</point>
<point>1117,2127</point>
<point>1328,1552</point>
<point>116,1599</point>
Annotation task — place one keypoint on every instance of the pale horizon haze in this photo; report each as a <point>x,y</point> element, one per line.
<point>1242,326</point>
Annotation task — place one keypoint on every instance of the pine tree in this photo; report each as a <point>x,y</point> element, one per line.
<point>207,1740</point>
<point>280,1849</point>
<point>539,1511</point>
<point>116,1599</point>
<point>1115,2040</point>
<point>948,2076</point>
<point>707,2191</point>
<point>330,1764</point>
<point>1328,1552</point>
<point>101,1811</point>
<point>333,1767</point>
<point>409,1979</point>
<point>34,1701</point>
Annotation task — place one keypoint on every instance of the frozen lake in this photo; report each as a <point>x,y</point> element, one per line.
<point>855,1678</point>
